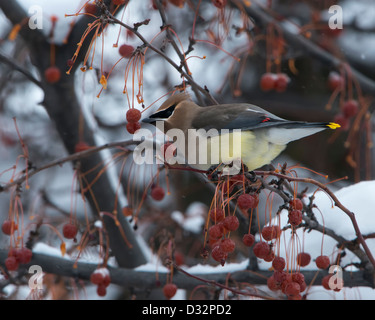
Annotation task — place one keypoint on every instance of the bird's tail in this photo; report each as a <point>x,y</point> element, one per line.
<point>295,130</point>
<point>302,124</point>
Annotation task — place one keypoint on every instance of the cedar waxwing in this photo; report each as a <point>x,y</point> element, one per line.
<point>234,131</point>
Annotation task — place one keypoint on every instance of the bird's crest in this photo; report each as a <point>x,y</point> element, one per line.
<point>174,100</point>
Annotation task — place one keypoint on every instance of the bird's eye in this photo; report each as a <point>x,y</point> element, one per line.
<point>164,114</point>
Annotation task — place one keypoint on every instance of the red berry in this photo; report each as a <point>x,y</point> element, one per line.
<point>231,223</point>
<point>292,289</point>
<point>281,82</point>
<point>126,50</point>
<point>350,108</point>
<point>24,255</point>
<point>133,115</point>
<point>325,282</point>
<point>298,277</point>
<point>342,121</point>
<point>248,239</point>
<point>215,231</point>
<point>271,232</point>
<point>132,127</point>
<point>106,280</point>
<point>267,81</point>
<point>91,8</point>
<point>219,3</point>
<point>157,193</point>
<point>272,283</point>
<point>280,276</point>
<point>287,278</point>
<point>101,277</point>
<point>303,259</point>
<point>322,262</point>
<point>169,290</point>
<point>278,263</point>
<point>247,201</point>
<point>11,263</point>
<point>296,204</point>
<point>213,242</point>
<point>97,278</point>
<point>101,290</point>
<point>52,74</point>
<point>70,231</point>
<point>218,254</point>
<point>8,227</point>
<point>217,215</point>
<point>270,256</point>
<point>295,217</point>
<point>335,81</point>
<point>227,245</point>
<point>261,249</point>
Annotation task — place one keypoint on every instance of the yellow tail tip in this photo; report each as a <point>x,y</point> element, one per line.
<point>333,125</point>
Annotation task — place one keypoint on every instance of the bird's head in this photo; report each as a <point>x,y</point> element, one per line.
<point>175,112</point>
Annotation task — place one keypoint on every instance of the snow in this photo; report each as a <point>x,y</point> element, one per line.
<point>228,267</point>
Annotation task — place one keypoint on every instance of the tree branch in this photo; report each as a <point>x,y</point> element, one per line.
<point>10,62</point>
<point>142,280</point>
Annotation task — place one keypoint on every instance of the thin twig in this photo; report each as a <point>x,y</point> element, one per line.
<point>162,54</point>
<point>71,157</point>
<point>10,62</point>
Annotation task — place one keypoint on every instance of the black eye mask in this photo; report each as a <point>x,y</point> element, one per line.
<point>164,114</point>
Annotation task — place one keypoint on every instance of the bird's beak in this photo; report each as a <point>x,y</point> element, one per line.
<point>149,120</point>
<point>153,119</point>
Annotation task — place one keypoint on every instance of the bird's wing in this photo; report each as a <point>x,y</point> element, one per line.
<point>236,116</point>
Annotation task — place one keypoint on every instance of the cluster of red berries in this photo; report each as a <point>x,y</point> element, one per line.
<point>280,280</point>
<point>101,278</point>
<point>133,116</point>
<point>348,108</point>
<point>291,284</point>
<point>326,283</point>
<point>274,81</point>
<point>16,256</point>
<point>221,245</point>
<point>295,212</point>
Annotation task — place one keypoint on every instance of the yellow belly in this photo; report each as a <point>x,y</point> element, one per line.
<point>253,149</point>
